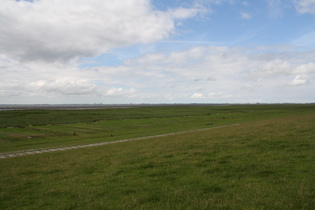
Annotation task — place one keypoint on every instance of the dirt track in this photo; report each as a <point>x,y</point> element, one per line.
<point>45,150</point>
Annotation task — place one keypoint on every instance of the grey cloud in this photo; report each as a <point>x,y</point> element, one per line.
<point>211,79</point>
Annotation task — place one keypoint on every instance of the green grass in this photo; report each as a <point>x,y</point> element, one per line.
<point>25,118</point>
<point>29,129</point>
<point>267,162</point>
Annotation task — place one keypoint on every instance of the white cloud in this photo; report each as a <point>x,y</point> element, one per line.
<point>277,7</point>
<point>305,69</point>
<point>222,72</point>
<point>307,39</point>
<point>120,92</point>
<point>40,41</point>
<point>245,3</point>
<point>299,80</point>
<point>183,13</point>
<point>197,95</point>
<point>208,73</point>
<point>63,87</point>
<point>61,30</point>
<point>245,16</point>
<point>42,80</point>
<point>305,6</point>
<point>218,95</point>
<point>271,68</point>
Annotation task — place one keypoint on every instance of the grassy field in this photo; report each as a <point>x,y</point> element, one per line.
<point>266,162</point>
<point>29,129</point>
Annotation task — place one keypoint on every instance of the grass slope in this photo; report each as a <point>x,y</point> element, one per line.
<point>266,164</point>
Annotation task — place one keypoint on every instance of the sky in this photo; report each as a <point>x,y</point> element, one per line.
<point>157,51</point>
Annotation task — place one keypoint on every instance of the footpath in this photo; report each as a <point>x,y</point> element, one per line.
<point>45,150</point>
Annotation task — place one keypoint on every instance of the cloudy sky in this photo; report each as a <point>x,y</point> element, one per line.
<point>157,51</point>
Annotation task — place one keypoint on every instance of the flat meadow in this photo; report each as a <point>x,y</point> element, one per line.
<point>264,158</point>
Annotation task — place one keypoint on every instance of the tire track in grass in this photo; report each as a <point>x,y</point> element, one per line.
<point>46,150</point>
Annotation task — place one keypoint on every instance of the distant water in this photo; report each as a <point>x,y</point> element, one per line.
<point>8,107</point>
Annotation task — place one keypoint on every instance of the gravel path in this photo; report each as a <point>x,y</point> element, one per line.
<point>45,150</point>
